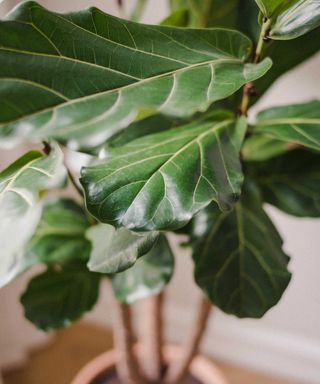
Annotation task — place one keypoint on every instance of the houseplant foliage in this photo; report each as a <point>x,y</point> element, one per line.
<point>162,113</point>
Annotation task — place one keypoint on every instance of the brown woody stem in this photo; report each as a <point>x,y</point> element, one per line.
<point>179,369</point>
<point>127,365</point>
<point>152,333</point>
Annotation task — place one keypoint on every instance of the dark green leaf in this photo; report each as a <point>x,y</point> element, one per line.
<point>115,250</point>
<point>21,185</point>
<point>84,76</point>
<point>239,262</point>
<point>54,299</point>
<point>286,55</point>
<point>300,17</point>
<point>290,182</point>
<point>297,123</point>
<point>160,181</point>
<point>60,233</point>
<point>148,276</point>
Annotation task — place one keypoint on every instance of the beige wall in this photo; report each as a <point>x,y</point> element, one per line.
<point>287,340</point>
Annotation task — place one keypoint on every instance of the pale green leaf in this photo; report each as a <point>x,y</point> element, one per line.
<point>296,124</point>
<point>239,262</point>
<point>21,185</point>
<point>150,274</point>
<point>84,76</point>
<point>115,250</point>
<point>56,298</point>
<point>160,181</point>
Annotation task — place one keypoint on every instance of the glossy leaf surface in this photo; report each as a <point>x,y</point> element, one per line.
<point>160,181</point>
<point>150,274</point>
<point>59,236</point>
<point>297,123</point>
<point>296,19</point>
<point>21,185</point>
<point>86,87</point>
<point>291,182</point>
<point>115,250</point>
<point>239,262</point>
<point>56,298</point>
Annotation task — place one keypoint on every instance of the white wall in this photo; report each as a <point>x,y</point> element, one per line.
<point>287,340</point>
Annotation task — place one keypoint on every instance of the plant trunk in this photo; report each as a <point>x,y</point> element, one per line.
<point>179,369</point>
<point>127,364</point>
<point>152,334</point>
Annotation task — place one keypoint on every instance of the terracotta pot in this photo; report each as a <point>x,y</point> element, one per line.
<point>202,369</point>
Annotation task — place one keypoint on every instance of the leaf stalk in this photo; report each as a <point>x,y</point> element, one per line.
<point>249,88</point>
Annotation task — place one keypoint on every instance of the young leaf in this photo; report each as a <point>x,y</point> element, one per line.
<point>59,236</point>
<point>84,76</point>
<point>160,181</point>
<point>115,250</point>
<point>56,298</point>
<point>297,123</point>
<point>290,182</point>
<point>300,17</point>
<point>21,185</point>
<point>239,262</point>
<point>150,274</point>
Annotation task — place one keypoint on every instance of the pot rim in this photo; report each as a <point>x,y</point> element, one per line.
<point>201,367</point>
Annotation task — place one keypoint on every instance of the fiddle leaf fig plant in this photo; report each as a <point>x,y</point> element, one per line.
<point>161,113</point>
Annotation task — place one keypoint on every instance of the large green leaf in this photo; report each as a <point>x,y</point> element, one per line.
<point>21,185</point>
<point>59,236</point>
<point>115,250</point>
<point>82,77</point>
<point>160,181</point>
<point>291,182</point>
<point>56,298</point>
<point>148,276</point>
<point>238,259</point>
<point>297,123</point>
<point>296,19</point>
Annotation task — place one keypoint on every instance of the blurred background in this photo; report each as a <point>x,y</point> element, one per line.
<point>286,342</point>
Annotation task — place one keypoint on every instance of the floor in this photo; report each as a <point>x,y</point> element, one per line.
<point>58,362</point>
